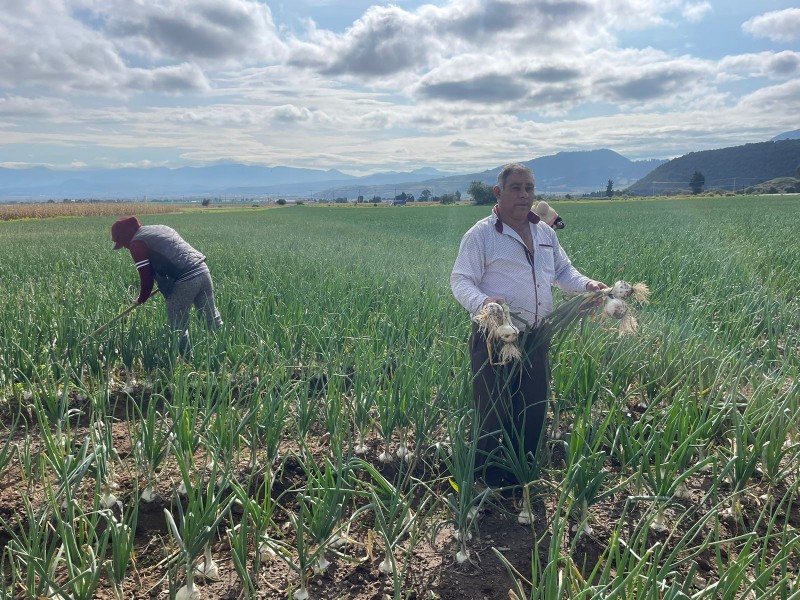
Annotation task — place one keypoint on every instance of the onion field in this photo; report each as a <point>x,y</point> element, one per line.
<point>320,444</point>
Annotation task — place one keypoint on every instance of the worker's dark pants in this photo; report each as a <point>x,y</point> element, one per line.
<point>510,401</point>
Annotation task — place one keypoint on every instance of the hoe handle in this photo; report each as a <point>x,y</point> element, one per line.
<point>128,310</point>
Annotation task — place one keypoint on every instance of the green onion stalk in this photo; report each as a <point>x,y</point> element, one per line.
<point>327,491</point>
<point>314,517</point>
<point>50,402</point>
<point>151,434</point>
<point>466,502</point>
<point>85,540</point>
<point>34,552</point>
<point>394,515</point>
<point>361,400</point>
<point>239,538</point>
<point>105,456</point>
<point>271,403</point>
<point>387,422</point>
<point>123,533</point>
<point>401,400</point>
<point>206,507</point>
<point>666,459</point>
<point>746,450</point>
<point>188,420</point>
<point>586,472</point>
<point>69,467</point>
<point>223,435</point>
<point>259,514</point>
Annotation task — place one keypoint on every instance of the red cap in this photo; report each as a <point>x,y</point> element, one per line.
<point>123,230</point>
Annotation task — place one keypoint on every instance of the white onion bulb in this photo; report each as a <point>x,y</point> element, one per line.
<point>614,307</point>
<point>621,290</point>
<point>508,333</point>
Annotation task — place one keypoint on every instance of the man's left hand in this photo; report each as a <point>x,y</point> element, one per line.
<point>595,286</point>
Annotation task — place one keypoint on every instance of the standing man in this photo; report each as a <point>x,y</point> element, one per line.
<point>181,273</point>
<point>512,257</point>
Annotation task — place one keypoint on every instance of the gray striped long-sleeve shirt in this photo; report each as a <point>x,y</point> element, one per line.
<point>496,263</point>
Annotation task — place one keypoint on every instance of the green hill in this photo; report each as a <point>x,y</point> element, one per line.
<point>729,169</point>
<point>779,185</point>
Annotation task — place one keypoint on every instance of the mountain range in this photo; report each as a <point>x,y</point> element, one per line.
<point>559,173</point>
<point>565,172</point>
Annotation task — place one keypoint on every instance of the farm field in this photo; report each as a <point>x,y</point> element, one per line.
<point>328,421</point>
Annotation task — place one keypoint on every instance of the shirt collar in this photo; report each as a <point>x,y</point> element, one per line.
<point>498,224</point>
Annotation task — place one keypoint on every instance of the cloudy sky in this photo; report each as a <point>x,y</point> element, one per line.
<point>461,85</point>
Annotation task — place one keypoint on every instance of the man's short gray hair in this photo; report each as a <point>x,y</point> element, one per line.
<point>512,168</point>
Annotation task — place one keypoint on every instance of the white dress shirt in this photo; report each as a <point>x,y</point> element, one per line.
<point>491,263</point>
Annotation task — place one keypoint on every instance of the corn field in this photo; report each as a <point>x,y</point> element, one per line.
<point>39,210</point>
<point>320,444</point>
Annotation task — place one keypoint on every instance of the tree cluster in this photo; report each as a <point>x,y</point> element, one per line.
<point>481,193</point>
<point>697,182</point>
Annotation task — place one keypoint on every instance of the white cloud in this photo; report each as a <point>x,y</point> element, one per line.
<point>113,47</point>
<point>459,84</point>
<point>780,101</point>
<point>46,49</point>
<point>36,108</point>
<point>214,116</point>
<point>385,41</point>
<point>289,113</point>
<point>778,26</point>
<point>775,65</point>
<point>694,12</point>
<point>206,31</point>
<point>175,79</point>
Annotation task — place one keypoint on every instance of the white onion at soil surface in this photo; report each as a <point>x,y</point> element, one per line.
<point>209,570</point>
<point>462,556</point>
<point>585,529</point>
<point>458,535</point>
<point>186,594</point>
<point>659,523</point>
<point>148,494</point>
<point>525,517</point>
<point>321,565</point>
<point>265,553</point>
<point>108,500</point>
<point>386,566</point>
<point>402,450</point>
<point>301,594</point>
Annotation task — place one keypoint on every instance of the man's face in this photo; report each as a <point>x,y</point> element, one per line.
<point>515,199</point>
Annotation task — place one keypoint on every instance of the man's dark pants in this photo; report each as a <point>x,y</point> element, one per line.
<point>510,400</point>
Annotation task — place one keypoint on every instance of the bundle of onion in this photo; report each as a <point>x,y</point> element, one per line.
<point>615,304</point>
<point>494,323</point>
